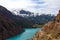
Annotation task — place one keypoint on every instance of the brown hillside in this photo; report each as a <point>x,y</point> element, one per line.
<point>50,31</point>
<point>58,17</point>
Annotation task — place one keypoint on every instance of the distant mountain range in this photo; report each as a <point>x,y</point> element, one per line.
<point>22,12</point>
<point>25,12</point>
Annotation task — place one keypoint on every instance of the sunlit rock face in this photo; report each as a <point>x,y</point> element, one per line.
<point>7,26</point>
<point>58,17</point>
<point>49,31</point>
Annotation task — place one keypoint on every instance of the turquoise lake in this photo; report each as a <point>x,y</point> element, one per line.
<point>29,33</point>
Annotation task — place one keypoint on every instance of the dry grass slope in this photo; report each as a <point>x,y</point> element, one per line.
<point>50,31</point>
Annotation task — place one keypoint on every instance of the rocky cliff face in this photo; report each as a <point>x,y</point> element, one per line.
<point>58,17</point>
<point>7,26</point>
<point>49,31</point>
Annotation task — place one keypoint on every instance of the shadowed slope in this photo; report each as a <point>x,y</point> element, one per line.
<point>7,26</point>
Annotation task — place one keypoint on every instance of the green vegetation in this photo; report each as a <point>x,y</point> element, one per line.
<point>37,25</point>
<point>33,22</point>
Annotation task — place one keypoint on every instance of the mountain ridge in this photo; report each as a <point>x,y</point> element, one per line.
<point>8,27</point>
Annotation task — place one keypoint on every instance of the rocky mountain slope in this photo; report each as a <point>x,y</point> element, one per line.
<point>7,26</point>
<point>49,31</point>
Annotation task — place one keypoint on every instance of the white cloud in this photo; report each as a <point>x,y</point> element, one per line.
<point>49,7</point>
<point>40,6</point>
<point>16,3</point>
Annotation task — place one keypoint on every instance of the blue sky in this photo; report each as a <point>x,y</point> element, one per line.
<point>36,6</point>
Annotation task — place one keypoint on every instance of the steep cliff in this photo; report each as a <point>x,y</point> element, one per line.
<point>49,31</point>
<point>7,26</point>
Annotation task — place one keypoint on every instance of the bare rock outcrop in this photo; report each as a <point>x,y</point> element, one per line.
<point>49,31</point>
<point>58,17</point>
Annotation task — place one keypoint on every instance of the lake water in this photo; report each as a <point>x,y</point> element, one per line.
<point>29,33</point>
